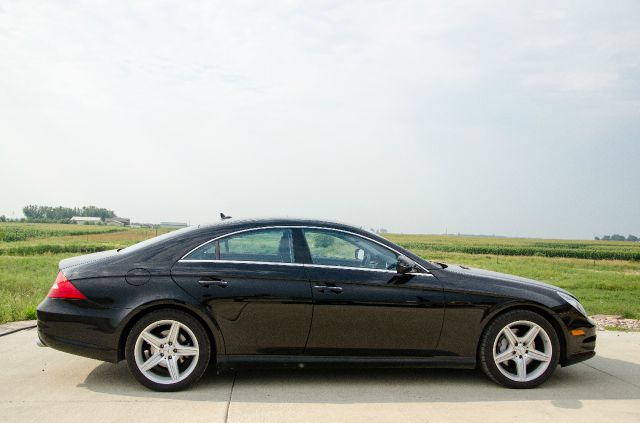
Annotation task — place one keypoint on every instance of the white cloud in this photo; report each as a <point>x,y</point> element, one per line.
<point>415,116</point>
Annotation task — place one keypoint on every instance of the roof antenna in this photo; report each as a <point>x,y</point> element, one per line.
<point>223,217</point>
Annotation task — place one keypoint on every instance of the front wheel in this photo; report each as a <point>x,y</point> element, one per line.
<point>167,350</point>
<point>519,349</point>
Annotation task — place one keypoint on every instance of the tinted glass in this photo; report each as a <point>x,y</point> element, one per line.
<point>206,252</point>
<point>333,248</point>
<point>269,245</point>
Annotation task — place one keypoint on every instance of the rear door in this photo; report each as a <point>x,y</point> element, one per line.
<point>363,307</point>
<point>254,290</point>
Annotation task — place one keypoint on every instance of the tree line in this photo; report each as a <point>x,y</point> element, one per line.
<point>617,237</point>
<point>37,213</point>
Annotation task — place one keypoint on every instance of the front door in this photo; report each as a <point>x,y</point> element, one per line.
<point>362,306</point>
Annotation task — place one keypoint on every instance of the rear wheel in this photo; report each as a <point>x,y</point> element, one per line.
<point>167,350</point>
<point>519,349</point>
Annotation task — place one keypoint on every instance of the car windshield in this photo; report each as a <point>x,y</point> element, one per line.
<point>157,239</point>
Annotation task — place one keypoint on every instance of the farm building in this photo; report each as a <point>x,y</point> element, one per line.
<point>173,225</point>
<point>117,221</point>
<point>84,220</point>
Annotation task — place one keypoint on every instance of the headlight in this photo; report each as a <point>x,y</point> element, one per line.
<point>573,302</point>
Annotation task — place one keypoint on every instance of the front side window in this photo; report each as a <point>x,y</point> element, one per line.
<point>332,248</point>
<point>268,245</point>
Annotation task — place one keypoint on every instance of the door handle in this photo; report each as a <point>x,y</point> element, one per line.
<point>322,288</point>
<point>208,282</point>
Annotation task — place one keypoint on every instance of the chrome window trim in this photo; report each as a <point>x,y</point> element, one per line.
<point>275,263</point>
<point>295,264</point>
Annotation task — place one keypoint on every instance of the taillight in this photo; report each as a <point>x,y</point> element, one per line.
<point>63,288</point>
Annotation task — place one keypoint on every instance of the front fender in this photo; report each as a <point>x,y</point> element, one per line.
<point>551,316</point>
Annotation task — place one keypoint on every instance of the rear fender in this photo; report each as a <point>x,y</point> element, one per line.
<point>215,335</point>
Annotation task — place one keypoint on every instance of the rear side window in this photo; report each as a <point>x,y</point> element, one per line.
<point>268,245</point>
<point>206,252</point>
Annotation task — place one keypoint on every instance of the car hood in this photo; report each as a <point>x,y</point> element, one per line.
<point>502,277</point>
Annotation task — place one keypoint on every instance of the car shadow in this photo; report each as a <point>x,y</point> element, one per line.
<point>115,379</point>
<point>569,386</point>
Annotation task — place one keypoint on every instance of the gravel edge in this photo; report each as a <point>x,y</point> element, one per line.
<point>605,321</point>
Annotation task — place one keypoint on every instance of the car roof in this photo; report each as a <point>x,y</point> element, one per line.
<point>276,221</point>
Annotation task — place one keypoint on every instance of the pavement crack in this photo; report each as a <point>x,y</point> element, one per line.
<point>233,383</point>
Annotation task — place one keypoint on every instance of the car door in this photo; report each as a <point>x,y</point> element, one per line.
<point>362,306</point>
<point>255,292</point>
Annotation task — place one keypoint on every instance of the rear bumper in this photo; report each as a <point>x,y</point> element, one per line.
<point>40,342</point>
<point>75,327</point>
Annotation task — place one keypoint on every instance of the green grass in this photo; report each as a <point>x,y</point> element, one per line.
<point>618,329</point>
<point>29,266</point>
<point>24,282</point>
<point>11,232</point>
<point>77,241</point>
<point>603,286</point>
<point>605,275</point>
<point>598,250</point>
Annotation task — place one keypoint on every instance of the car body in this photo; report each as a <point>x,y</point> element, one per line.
<point>303,292</point>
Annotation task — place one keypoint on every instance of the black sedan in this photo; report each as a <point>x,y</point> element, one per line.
<point>302,293</point>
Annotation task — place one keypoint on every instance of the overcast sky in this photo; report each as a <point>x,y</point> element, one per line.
<point>501,117</point>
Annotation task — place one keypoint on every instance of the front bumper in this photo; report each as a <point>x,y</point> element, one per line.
<point>577,358</point>
<point>578,347</point>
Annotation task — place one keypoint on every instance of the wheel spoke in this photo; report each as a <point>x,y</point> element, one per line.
<point>511,337</point>
<point>173,333</point>
<point>538,355</point>
<point>151,339</point>
<point>521,367</point>
<point>172,364</point>
<point>186,350</point>
<point>152,362</point>
<point>504,356</point>
<point>522,342</point>
<point>531,335</point>
<point>167,351</point>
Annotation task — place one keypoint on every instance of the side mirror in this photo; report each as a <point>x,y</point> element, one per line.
<point>358,254</point>
<point>406,265</point>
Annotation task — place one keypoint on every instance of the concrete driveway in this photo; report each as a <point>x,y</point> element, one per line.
<point>44,385</point>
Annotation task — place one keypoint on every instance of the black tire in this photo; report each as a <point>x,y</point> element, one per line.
<point>193,371</point>
<point>489,343</point>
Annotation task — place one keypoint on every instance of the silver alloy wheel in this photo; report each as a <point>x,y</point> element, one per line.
<point>522,351</point>
<point>166,351</point>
